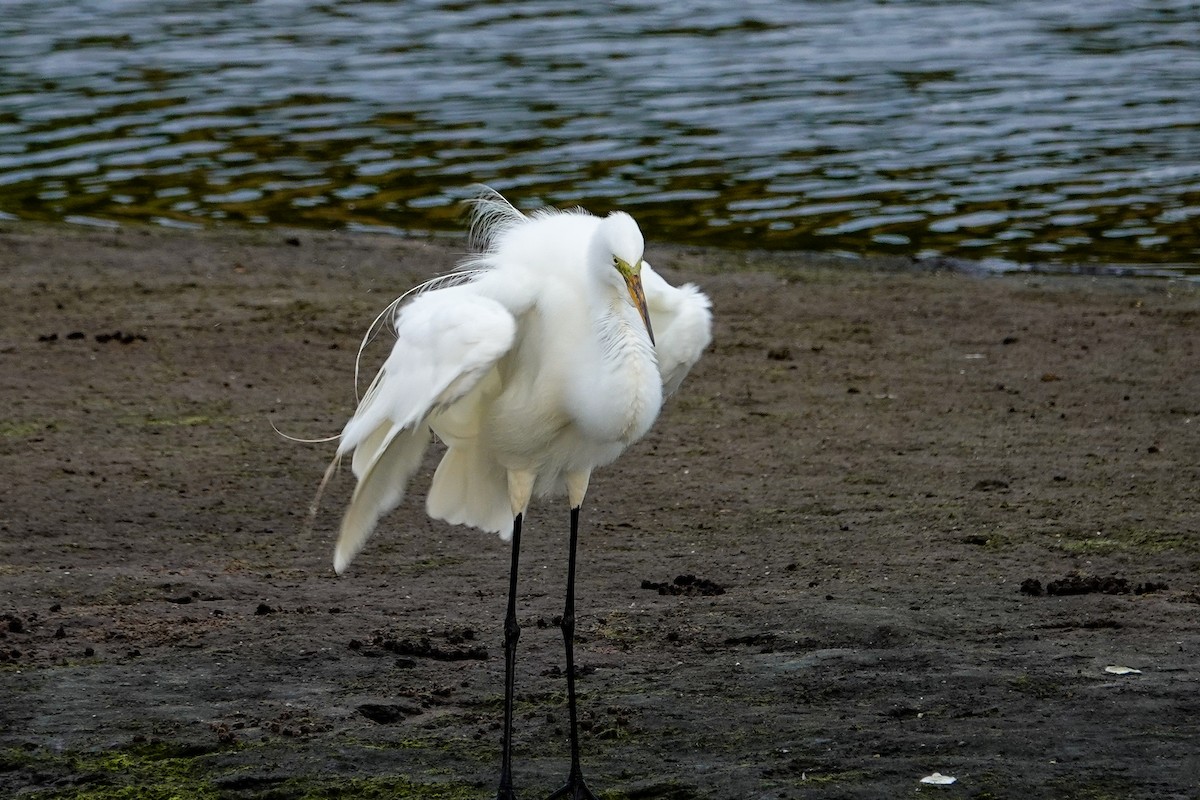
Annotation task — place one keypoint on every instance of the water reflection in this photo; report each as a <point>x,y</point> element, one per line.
<point>1019,130</point>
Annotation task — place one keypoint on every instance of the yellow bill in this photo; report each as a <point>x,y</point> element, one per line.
<point>633,280</point>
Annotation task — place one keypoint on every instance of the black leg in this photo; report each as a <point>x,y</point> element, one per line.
<point>575,788</point>
<point>512,632</point>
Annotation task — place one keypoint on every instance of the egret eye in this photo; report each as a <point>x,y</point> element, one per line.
<point>624,268</point>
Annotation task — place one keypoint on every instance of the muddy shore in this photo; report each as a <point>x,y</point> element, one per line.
<point>895,522</point>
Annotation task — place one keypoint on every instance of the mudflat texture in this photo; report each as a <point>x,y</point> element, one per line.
<point>895,522</point>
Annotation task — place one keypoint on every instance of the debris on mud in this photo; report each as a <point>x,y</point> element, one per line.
<point>1077,583</point>
<point>118,336</point>
<point>289,723</point>
<point>387,713</point>
<point>938,779</point>
<point>581,671</point>
<point>1032,586</point>
<point>688,585</point>
<point>765,642</point>
<point>422,647</point>
<point>102,338</point>
<point>1120,670</point>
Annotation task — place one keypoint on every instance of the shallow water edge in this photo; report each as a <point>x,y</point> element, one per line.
<point>698,257</point>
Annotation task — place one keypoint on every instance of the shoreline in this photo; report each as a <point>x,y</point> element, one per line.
<point>753,259</point>
<point>880,467</point>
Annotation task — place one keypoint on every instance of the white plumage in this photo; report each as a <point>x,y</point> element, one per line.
<point>543,358</point>
<point>535,361</point>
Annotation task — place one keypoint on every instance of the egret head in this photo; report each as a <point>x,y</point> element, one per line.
<point>620,243</point>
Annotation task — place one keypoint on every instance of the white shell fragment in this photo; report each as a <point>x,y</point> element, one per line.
<point>1117,670</point>
<point>938,779</point>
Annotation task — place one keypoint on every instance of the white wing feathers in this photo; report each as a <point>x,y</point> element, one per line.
<point>446,342</point>
<point>682,322</point>
<point>380,487</point>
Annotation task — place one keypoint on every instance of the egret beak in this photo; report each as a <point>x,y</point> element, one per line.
<point>638,295</point>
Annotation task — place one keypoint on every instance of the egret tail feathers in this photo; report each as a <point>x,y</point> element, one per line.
<point>381,486</point>
<point>369,449</point>
<point>682,321</point>
<point>470,488</point>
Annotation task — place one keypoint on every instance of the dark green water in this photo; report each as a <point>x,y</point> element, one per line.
<point>1030,132</point>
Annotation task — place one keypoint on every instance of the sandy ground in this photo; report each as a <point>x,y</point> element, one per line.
<point>939,507</point>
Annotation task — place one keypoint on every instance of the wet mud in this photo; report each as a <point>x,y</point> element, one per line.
<point>897,522</point>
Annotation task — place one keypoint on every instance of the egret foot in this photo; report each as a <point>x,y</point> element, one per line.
<point>574,789</point>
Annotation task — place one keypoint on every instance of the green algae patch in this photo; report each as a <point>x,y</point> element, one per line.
<point>369,789</point>
<point>12,429</point>
<point>1141,541</point>
<point>147,773</point>
<point>157,772</point>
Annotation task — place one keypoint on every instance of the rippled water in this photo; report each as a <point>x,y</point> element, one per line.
<point>1014,129</point>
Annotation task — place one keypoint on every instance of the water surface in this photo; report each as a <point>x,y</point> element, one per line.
<point>1020,130</point>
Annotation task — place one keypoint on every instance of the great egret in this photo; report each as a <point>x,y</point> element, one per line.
<point>543,357</point>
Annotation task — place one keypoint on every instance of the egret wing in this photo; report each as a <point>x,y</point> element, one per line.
<point>682,321</point>
<point>446,342</point>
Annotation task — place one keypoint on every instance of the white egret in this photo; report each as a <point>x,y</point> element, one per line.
<point>542,358</point>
